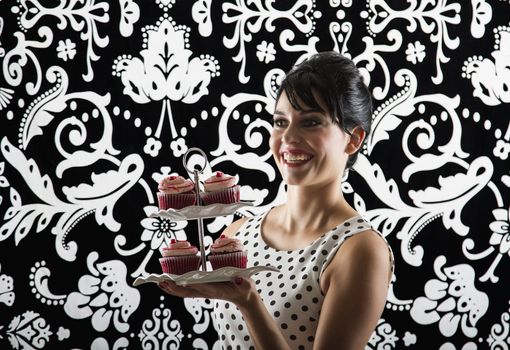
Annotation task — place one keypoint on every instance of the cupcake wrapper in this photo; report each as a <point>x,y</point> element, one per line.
<point>226,196</point>
<point>236,259</point>
<point>179,265</point>
<point>175,200</point>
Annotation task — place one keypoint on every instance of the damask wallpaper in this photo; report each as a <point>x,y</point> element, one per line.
<point>100,99</point>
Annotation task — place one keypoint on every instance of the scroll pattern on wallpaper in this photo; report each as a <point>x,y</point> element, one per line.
<point>168,70</point>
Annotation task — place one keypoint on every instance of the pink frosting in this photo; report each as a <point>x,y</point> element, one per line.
<point>226,245</point>
<point>220,181</point>
<point>179,248</point>
<point>175,184</point>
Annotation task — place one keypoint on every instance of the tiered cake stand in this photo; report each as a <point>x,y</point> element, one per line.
<point>200,212</point>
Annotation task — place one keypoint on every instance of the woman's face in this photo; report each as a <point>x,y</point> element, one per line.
<point>309,149</point>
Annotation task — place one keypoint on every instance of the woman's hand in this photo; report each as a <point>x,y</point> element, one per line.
<point>238,291</point>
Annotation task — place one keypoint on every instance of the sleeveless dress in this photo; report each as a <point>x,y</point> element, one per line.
<point>293,296</point>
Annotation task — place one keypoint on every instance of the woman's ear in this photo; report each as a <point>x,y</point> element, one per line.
<point>355,140</point>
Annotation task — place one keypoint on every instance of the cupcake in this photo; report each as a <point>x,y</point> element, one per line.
<point>227,252</point>
<point>175,192</point>
<point>179,257</point>
<point>221,188</point>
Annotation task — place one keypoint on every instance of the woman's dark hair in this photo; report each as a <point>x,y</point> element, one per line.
<point>337,82</point>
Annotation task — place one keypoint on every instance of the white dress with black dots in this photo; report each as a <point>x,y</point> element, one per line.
<point>293,296</point>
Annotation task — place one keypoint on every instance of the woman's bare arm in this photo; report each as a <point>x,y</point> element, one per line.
<point>355,286</point>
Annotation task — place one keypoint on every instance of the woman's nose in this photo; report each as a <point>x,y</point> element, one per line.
<point>291,134</point>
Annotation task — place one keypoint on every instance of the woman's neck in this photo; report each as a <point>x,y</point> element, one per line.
<point>314,208</point>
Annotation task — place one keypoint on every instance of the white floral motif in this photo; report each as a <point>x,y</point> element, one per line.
<point>451,300</point>
<point>498,338</point>
<point>415,52</point>
<point>6,289</point>
<point>164,171</point>
<point>409,339</point>
<point>502,149</point>
<point>308,49</point>
<point>18,57</point>
<point>158,231</point>
<point>372,56</point>
<point>66,49</point>
<point>439,13</point>
<point>99,197</point>
<point>201,13</point>
<point>129,15</point>
<point>340,33</point>
<point>500,237</point>
<point>178,147</point>
<point>165,71</point>
<point>63,333</point>
<point>5,97</point>
<point>28,331</point>
<point>447,200</point>
<point>266,52</point>
<point>482,14</point>
<point>202,311</point>
<point>39,280</point>
<point>383,337</point>
<point>501,230</point>
<point>104,296</point>
<point>499,240</point>
<point>83,19</point>
<point>251,15</point>
<point>161,332</point>
<point>227,150</point>
<point>490,79</point>
<point>152,147</point>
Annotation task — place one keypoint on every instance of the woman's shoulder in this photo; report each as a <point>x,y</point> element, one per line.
<point>360,255</point>
<point>368,248</point>
<point>366,242</point>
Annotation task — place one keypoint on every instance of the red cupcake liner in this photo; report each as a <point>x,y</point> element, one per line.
<point>179,265</point>
<point>175,200</point>
<point>235,259</point>
<point>226,196</point>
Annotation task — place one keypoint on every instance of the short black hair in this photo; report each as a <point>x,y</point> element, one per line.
<point>338,83</point>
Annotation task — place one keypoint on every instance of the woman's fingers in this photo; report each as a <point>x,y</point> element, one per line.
<point>209,290</point>
<point>183,292</point>
<point>217,290</point>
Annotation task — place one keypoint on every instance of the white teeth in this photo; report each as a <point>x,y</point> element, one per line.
<point>295,157</point>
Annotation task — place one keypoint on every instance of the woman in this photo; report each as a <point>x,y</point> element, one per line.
<point>334,268</point>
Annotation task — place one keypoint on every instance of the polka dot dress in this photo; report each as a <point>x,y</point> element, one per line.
<point>293,296</point>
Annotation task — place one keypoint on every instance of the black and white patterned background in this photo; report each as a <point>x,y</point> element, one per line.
<point>99,99</point>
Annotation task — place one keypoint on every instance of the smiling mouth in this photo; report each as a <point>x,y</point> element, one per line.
<point>295,159</point>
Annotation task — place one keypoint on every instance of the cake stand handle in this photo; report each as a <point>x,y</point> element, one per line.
<point>200,224</point>
<point>186,157</point>
<point>196,180</point>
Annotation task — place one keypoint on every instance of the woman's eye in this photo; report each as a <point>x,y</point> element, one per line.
<point>279,123</point>
<point>311,122</point>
